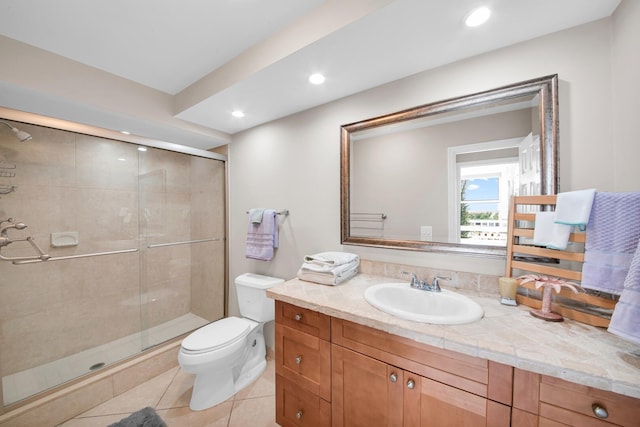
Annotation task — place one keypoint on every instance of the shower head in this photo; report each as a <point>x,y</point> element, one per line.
<point>20,134</point>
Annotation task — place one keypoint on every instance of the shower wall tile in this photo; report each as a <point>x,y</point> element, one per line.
<point>108,215</point>
<point>166,216</point>
<point>174,166</point>
<point>106,164</point>
<point>207,217</point>
<point>208,281</point>
<point>167,300</point>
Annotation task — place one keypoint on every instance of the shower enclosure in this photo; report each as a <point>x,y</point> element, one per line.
<point>108,248</point>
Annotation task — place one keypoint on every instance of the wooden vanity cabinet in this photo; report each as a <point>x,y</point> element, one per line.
<point>384,380</point>
<point>333,372</point>
<point>543,401</point>
<point>303,366</point>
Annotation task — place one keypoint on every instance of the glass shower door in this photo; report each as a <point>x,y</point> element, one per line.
<point>181,242</point>
<point>79,310</point>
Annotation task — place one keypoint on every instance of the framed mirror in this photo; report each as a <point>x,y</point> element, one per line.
<point>438,177</point>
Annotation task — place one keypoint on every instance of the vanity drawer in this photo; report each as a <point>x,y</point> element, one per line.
<point>304,359</point>
<point>467,373</point>
<point>298,407</point>
<point>574,404</point>
<point>303,319</point>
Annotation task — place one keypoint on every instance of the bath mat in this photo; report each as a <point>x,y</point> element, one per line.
<point>146,417</point>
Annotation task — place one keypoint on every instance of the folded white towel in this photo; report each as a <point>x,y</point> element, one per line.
<point>328,279</point>
<point>327,269</point>
<point>331,259</point>
<point>548,233</point>
<point>574,207</point>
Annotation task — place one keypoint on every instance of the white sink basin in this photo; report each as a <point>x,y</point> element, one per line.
<point>442,308</point>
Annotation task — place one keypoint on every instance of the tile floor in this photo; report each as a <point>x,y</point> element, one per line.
<point>169,394</point>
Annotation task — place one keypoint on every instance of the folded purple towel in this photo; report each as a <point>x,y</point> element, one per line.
<point>612,236</point>
<point>625,321</point>
<point>262,238</point>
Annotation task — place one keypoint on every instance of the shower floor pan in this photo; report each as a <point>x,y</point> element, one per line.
<point>26,383</point>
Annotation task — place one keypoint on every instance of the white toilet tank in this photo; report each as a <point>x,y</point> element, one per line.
<point>252,296</point>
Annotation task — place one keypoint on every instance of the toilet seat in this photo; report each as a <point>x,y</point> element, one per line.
<point>218,334</point>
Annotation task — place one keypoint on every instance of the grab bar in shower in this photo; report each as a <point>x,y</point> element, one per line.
<point>186,242</point>
<point>59,258</point>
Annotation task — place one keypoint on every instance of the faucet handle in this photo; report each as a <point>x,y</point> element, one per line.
<point>414,279</point>
<point>436,280</point>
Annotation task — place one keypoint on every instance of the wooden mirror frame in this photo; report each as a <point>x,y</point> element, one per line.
<point>546,88</point>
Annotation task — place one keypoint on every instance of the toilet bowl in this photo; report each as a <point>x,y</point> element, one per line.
<point>230,353</point>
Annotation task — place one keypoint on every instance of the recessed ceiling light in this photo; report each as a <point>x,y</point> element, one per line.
<point>237,113</point>
<point>316,79</point>
<point>477,17</point>
<point>142,148</point>
<point>125,132</point>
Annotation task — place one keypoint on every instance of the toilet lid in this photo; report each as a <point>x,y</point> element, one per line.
<point>217,334</point>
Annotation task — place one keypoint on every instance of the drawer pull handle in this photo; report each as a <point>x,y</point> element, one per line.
<point>600,411</point>
<point>411,384</point>
<point>299,414</point>
<point>298,360</point>
<point>298,317</point>
<point>393,377</point>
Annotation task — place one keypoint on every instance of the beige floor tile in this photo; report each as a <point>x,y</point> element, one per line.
<point>218,416</point>
<point>263,386</point>
<point>99,421</point>
<point>178,393</point>
<point>257,412</point>
<point>170,393</point>
<point>146,394</point>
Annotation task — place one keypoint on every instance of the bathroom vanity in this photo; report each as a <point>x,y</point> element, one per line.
<point>341,362</point>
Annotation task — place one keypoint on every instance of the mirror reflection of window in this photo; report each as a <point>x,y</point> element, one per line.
<point>484,201</point>
<point>487,175</point>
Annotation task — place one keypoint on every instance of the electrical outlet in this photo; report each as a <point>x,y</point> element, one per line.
<point>426,233</point>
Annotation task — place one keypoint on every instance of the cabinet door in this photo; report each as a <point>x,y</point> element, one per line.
<point>445,406</point>
<point>365,392</point>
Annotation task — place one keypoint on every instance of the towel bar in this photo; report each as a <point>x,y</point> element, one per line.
<point>284,212</point>
<point>32,261</point>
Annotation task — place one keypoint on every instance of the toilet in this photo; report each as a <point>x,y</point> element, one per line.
<point>229,354</point>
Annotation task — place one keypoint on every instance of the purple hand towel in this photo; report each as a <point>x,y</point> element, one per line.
<point>262,238</point>
<point>612,236</point>
<point>625,321</point>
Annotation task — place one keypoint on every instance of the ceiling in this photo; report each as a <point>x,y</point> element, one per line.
<point>210,57</point>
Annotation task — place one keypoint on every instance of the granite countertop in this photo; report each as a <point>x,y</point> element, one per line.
<point>569,350</point>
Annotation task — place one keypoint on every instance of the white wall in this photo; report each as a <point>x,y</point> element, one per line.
<point>294,162</point>
<point>626,89</point>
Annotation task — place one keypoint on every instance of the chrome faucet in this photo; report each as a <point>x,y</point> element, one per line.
<point>424,284</point>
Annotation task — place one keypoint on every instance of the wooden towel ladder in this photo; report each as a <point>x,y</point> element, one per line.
<point>525,258</point>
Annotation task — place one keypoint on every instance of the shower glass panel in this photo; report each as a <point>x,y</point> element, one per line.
<point>181,229</point>
<point>135,237</point>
